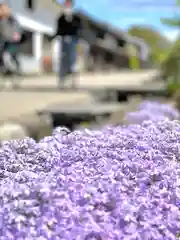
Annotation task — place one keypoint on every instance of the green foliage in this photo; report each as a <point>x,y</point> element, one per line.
<point>173,87</point>
<point>176,97</point>
<point>150,35</point>
<point>171,65</point>
<point>158,43</point>
<point>175,21</point>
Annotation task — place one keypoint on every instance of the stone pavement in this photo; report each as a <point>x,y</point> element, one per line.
<point>95,80</point>
<point>17,103</point>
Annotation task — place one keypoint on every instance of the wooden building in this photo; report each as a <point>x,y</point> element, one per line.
<point>111,49</point>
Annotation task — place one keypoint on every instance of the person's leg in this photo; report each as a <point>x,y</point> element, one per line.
<point>72,60</point>
<point>73,54</point>
<point>15,57</point>
<point>7,58</point>
<point>1,62</point>
<point>68,57</point>
<point>2,49</point>
<point>63,62</point>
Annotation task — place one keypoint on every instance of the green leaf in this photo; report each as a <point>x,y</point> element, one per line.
<point>171,22</point>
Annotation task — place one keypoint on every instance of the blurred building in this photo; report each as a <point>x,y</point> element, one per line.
<point>37,17</point>
<point>110,48</point>
<point>106,48</point>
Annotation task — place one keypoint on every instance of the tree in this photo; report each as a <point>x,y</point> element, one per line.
<point>150,35</point>
<point>174,22</point>
<point>157,42</point>
<point>171,22</point>
<point>171,65</point>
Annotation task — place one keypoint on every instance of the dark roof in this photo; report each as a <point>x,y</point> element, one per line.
<point>114,31</point>
<point>117,33</point>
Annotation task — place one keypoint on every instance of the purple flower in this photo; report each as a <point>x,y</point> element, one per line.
<point>118,183</point>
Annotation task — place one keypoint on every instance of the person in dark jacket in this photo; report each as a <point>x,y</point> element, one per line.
<point>10,34</point>
<point>69,28</point>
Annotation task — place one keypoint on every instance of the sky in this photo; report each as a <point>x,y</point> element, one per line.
<point>123,14</point>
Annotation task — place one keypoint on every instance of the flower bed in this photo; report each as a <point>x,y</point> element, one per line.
<point>115,184</point>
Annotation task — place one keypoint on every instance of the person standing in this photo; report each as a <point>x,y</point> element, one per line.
<point>10,34</point>
<point>69,28</point>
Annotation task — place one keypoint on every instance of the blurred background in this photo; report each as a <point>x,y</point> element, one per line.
<point>132,34</point>
<point>132,41</point>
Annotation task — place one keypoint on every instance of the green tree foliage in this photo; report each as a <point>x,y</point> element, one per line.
<point>158,43</point>
<point>171,22</point>
<point>150,35</point>
<point>175,21</point>
<point>171,65</point>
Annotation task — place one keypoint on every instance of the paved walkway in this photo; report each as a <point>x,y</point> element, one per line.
<point>17,103</point>
<point>124,78</point>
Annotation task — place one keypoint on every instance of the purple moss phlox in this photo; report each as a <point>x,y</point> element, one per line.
<point>120,183</point>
